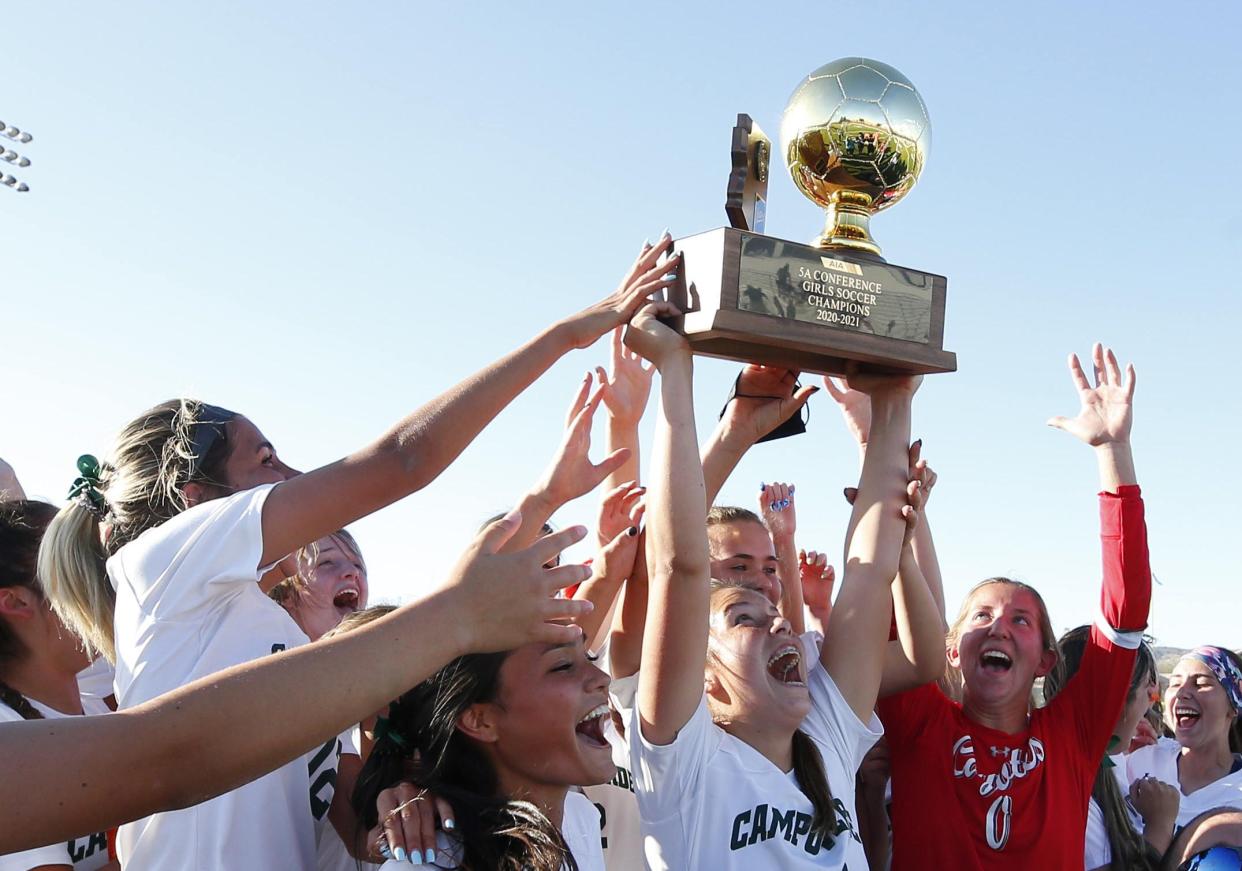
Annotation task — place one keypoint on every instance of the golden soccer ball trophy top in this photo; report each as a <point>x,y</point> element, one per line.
<point>856,135</point>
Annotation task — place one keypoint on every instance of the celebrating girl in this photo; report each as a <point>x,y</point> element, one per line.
<point>192,511</point>
<point>745,755</point>
<point>989,782</point>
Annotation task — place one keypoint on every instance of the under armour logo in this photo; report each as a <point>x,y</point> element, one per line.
<point>998,751</point>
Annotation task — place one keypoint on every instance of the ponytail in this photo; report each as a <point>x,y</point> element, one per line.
<point>137,488</point>
<point>18,702</point>
<point>1129,849</point>
<point>808,766</point>
<point>71,569</point>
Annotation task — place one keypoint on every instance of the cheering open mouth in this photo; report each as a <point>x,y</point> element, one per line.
<point>786,666</point>
<point>347,600</point>
<point>995,661</point>
<point>591,727</point>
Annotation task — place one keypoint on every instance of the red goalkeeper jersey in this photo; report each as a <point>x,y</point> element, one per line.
<point>969,797</point>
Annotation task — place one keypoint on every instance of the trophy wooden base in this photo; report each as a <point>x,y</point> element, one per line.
<point>765,300</point>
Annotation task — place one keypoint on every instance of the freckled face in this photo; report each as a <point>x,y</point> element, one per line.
<point>743,552</point>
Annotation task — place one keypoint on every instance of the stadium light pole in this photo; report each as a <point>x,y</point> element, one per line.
<point>12,157</point>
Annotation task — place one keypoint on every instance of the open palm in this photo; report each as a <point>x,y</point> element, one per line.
<point>1107,408</point>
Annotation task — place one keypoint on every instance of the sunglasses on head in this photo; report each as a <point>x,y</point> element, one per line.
<point>1215,859</point>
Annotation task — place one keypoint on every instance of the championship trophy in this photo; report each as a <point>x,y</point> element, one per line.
<point>855,136</point>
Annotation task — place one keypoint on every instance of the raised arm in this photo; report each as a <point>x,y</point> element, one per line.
<point>84,774</point>
<point>855,407</point>
<point>916,657</point>
<point>779,510</point>
<point>571,473</point>
<point>420,447</point>
<point>1095,694</point>
<point>765,397</point>
<point>853,651</point>
<point>674,648</point>
<point>626,387</point>
<point>1104,422</point>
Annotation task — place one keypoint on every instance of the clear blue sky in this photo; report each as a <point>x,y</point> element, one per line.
<point>323,214</point>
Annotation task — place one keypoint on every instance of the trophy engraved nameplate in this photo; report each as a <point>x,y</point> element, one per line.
<point>855,136</point>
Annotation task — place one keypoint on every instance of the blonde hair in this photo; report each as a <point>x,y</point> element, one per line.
<point>358,619</point>
<point>287,591</point>
<point>141,482</point>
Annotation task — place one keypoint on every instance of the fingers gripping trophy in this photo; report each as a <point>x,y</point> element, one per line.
<point>855,136</point>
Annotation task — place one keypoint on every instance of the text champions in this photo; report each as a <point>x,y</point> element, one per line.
<point>841,293</point>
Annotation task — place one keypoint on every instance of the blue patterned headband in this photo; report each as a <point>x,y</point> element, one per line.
<point>1225,669</point>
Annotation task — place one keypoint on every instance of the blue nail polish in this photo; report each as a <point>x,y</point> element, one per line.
<point>791,488</point>
<point>772,505</point>
<point>399,854</point>
<point>431,857</point>
<point>416,857</point>
<point>448,825</point>
<point>762,487</point>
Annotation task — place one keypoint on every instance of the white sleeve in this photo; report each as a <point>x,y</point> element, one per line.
<point>622,693</point>
<point>56,854</point>
<point>1097,852</point>
<point>351,739</point>
<point>832,721</point>
<point>173,567</point>
<point>667,777</point>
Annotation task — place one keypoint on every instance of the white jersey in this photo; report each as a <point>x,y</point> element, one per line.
<point>1097,852</point>
<point>620,829</point>
<point>710,800</point>
<point>580,828</point>
<point>331,850</point>
<point>1160,761</point>
<point>188,604</point>
<point>95,681</point>
<point>85,853</point>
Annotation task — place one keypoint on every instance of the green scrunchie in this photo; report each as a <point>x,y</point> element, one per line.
<point>85,487</point>
<point>385,729</point>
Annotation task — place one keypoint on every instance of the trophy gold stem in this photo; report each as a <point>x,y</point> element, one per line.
<point>849,223</point>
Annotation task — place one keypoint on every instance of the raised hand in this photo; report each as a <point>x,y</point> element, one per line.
<point>874,386</point>
<point>650,274</point>
<point>778,510</point>
<point>621,508</point>
<point>1106,413</point>
<point>508,598</point>
<point>818,579</point>
<point>647,336</point>
<point>626,386</point>
<point>764,399</point>
<point>855,408</point>
<point>571,473</point>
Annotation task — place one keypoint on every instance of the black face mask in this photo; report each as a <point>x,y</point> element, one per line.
<point>206,434</point>
<point>794,425</point>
